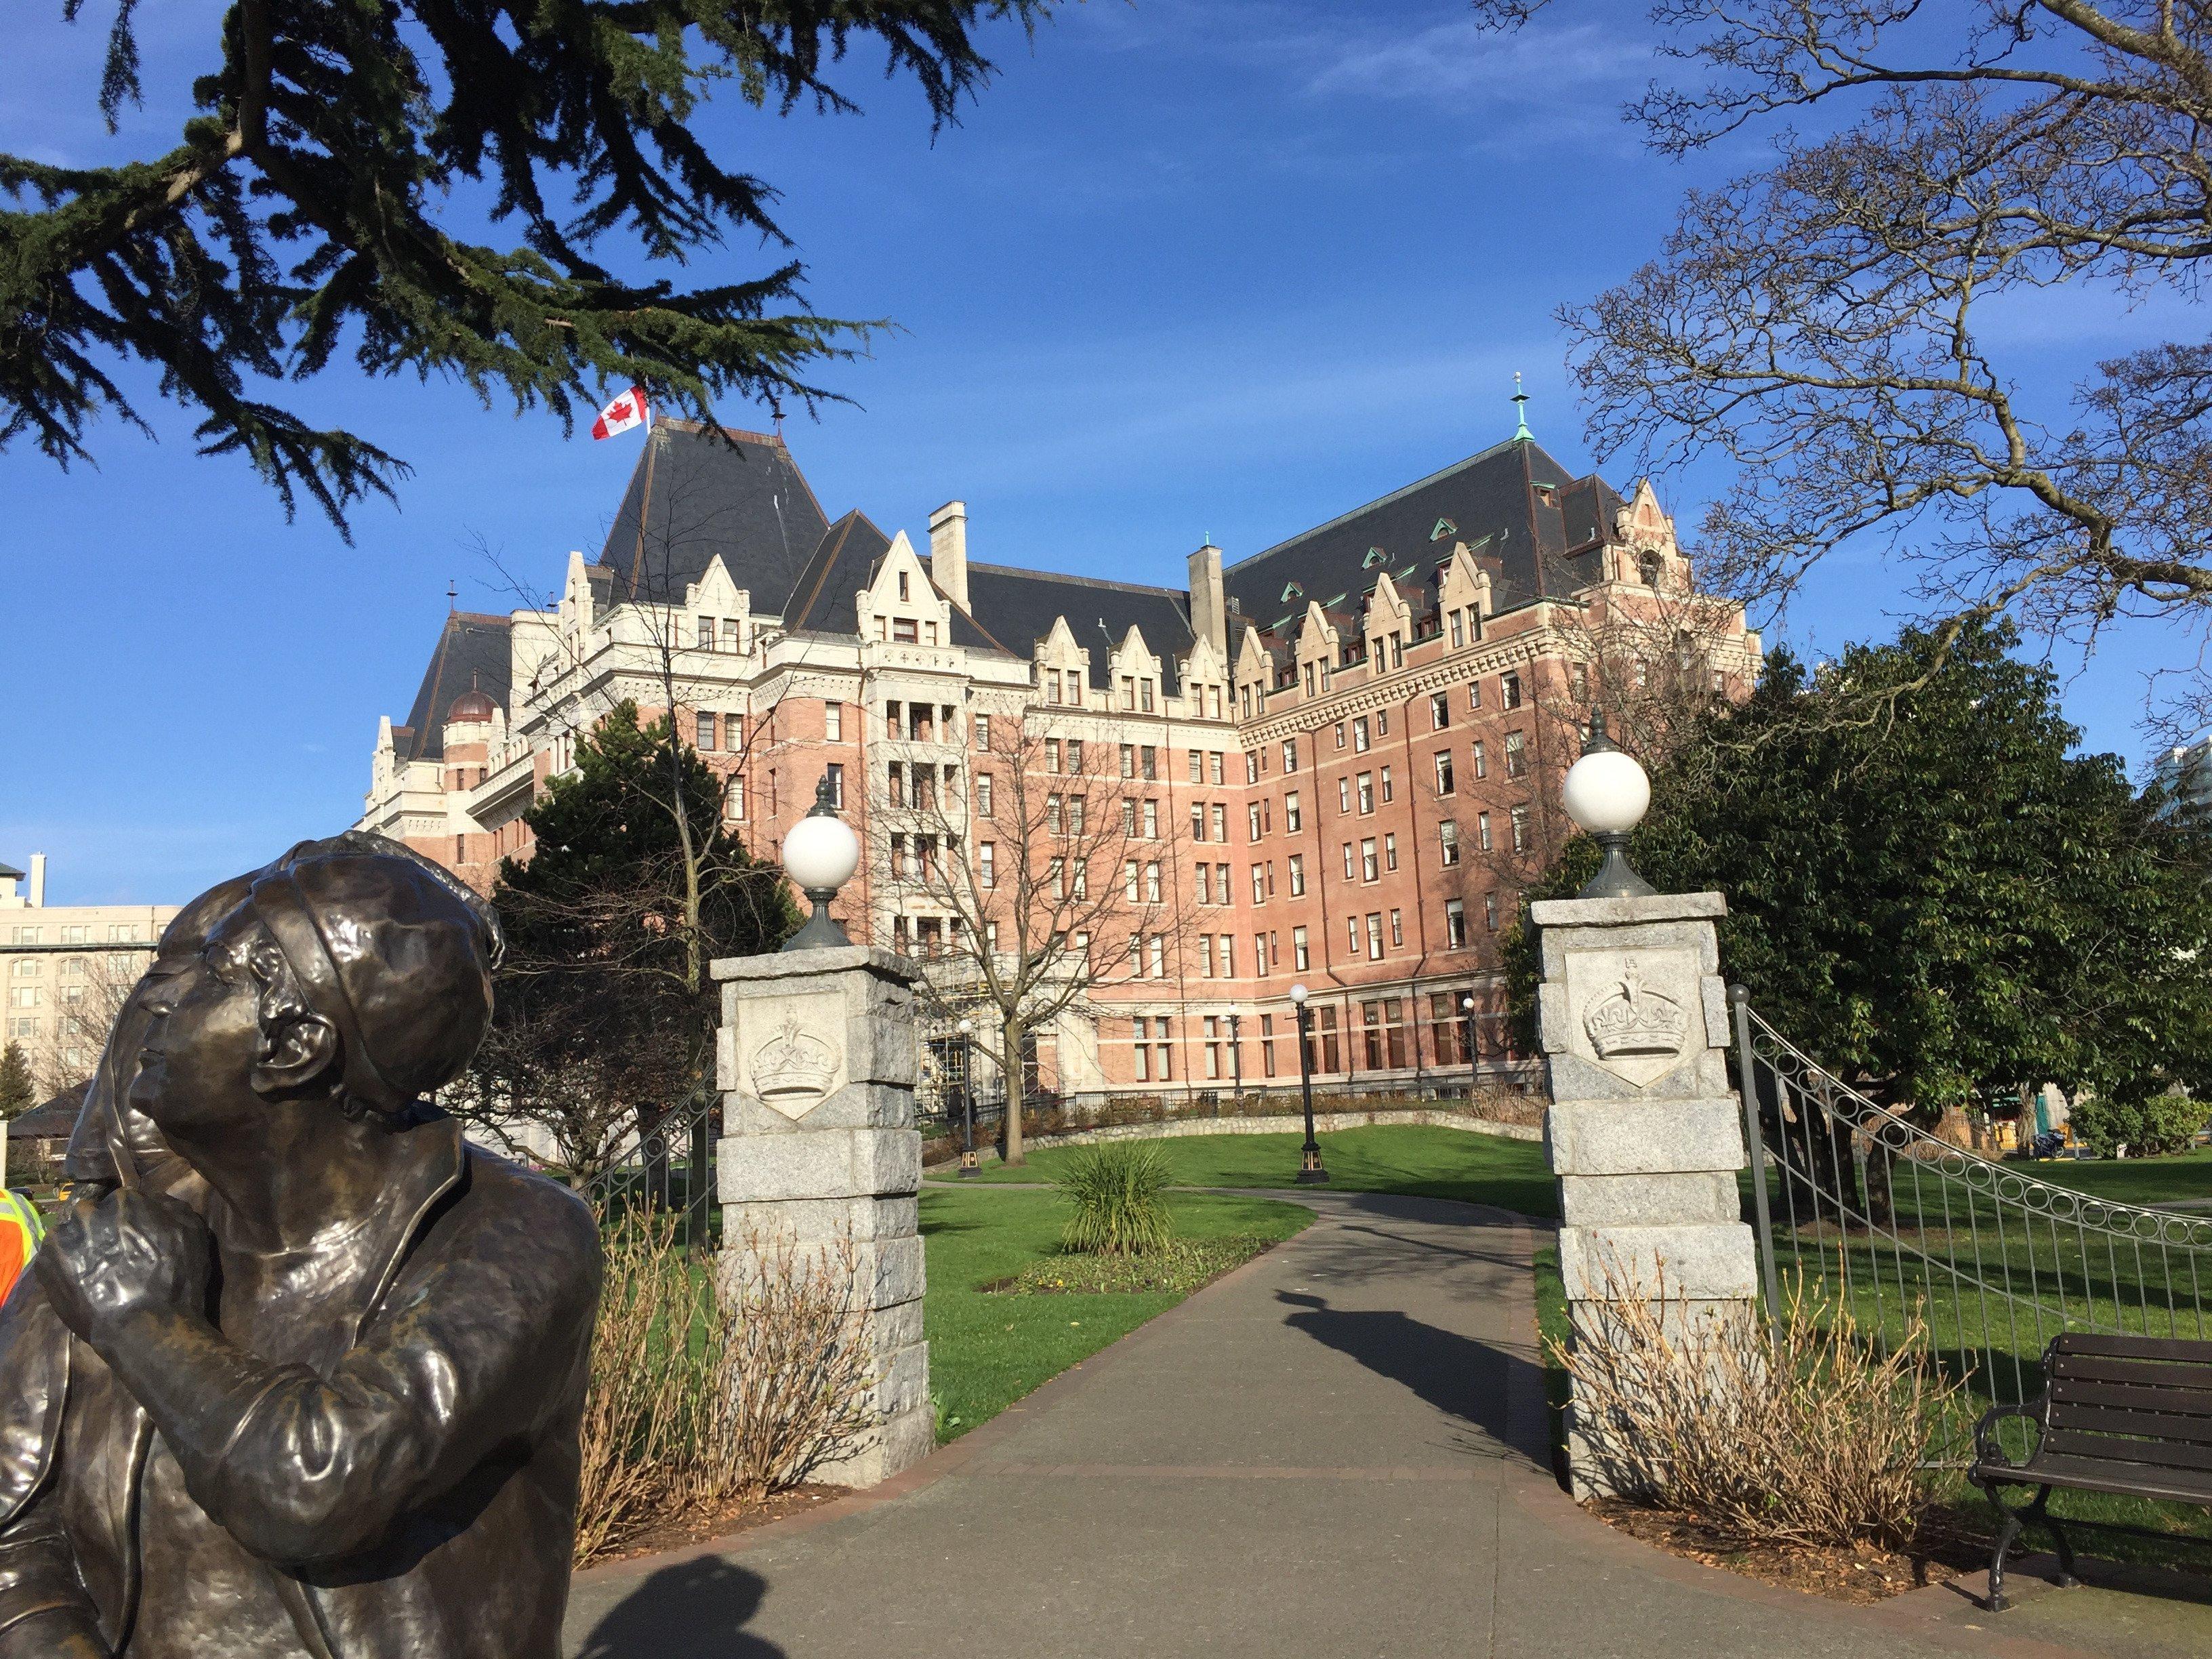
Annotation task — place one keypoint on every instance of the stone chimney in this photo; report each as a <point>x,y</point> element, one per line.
<point>1209,617</point>
<point>38,880</point>
<point>948,551</point>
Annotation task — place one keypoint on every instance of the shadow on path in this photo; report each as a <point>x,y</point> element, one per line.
<point>1459,1376</point>
<point>694,1610</point>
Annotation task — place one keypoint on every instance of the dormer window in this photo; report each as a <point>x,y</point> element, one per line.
<point>903,630</point>
<point>1374,557</point>
<point>1444,527</point>
<point>1292,591</point>
<point>1650,564</point>
<point>904,594</point>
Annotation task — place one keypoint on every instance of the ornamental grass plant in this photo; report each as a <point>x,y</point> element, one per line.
<point>1807,1433</point>
<point>1119,1191</point>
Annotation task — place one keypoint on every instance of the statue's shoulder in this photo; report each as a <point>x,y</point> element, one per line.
<point>503,1196</point>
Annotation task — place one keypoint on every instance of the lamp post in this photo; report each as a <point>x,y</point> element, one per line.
<point>1236,1066</point>
<point>820,853</point>
<point>969,1167</point>
<point>1311,1172</point>
<point>1474,1048</point>
<point>1607,793</point>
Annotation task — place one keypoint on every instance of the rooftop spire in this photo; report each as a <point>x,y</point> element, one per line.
<point>1521,411</point>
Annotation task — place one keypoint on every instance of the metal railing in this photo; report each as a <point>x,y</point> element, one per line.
<point>670,1167</point>
<point>1870,1211</point>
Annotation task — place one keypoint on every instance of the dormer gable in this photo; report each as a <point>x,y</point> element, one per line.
<point>1387,625</point>
<point>900,606</point>
<point>1648,554</point>
<point>1135,686</point>
<point>1463,597</point>
<point>1205,683</point>
<point>1062,667</point>
<point>719,612</point>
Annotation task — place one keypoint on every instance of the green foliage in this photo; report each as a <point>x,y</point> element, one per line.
<point>306,208</point>
<point>1940,899</point>
<point>17,1095</point>
<point>2161,1123</point>
<point>1119,1191</point>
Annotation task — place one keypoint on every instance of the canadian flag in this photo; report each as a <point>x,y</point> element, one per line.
<point>625,412</point>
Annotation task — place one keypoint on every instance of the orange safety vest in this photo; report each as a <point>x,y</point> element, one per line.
<point>20,1232</point>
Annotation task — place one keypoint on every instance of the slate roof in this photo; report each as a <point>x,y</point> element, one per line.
<point>472,654</point>
<point>9,872</point>
<point>1525,518</point>
<point>1017,608</point>
<point>693,496</point>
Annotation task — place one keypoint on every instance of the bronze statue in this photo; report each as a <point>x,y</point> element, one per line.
<point>302,1374</point>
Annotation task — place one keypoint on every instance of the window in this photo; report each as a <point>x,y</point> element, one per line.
<point>1448,843</point>
<point>1227,947</point>
<point>1439,710</point>
<point>1350,866</point>
<point>1490,912</point>
<point>1152,884</point>
<point>1383,1026</point>
<point>729,634</point>
<point>1149,758</point>
<point>1290,754</point>
<point>1075,754</point>
<point>1204,884</point>
<point>902,630</point>
<point>1322,1041</point>
<point>1260,954</point>
<point>1361,741</point>
<point>733,796</point>
<point>1145,688</point>
<point>1151,820</point>
<point>706,633</point>
<point>1197,765</point>
<point>1213,767</point>
<point>1482,831</point>
<point>1519,816</point>
<point>1128,816</point>
<point>1481,761</point>
<point>833,722</point>
<point>903,593</point>
<point>1352,934</point>
<point>1344,795</point>
<point>1390,852</point>
<point>1370,868</point>
<point>1159,951</point>
<point>987,863</point>
<point>1197,821</point>
<point>1508,691</point>
<point>1444,785</point>
<point>983,733</point>
<point>705,719</point>
<point>1374,936</point>
<point>1205,956</point>
<point>1252,766</point>
<point>1397,929</point>
<point>1366,793</point>
<point>1340,734</point>
<point>1382,722</point>
<point>1455,925</point>
<point>1297,875</point>
<point>1390,786</point>
<point>1129,881</point>
<point>1474,697</point>
<point>24,996</point>
<point>1457,637</point>
<point>1252,821</point>
<point>1291,820</point>
<point>1220,822</point>
<point>1128,760</point>
<point>1259,885</point>
<point>1143,1055</point>
<point>835,775</point>
<point>1052,755</point>
<point>1051,686</point>
<point>1075,688</point>
<point>1578,681</point>
<point>1075,814</point>
<point>1267,1045</point>
<point>1221,883</point>
<point>983,802</point>
<point>1301,957</point>
<point>1516,754</point>
<point>1054,819</point>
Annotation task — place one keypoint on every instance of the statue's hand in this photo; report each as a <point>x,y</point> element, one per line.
<point>128,1252</point>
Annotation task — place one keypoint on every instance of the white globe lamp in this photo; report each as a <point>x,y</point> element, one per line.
<point>820,853</point>
<point>1606,794</point>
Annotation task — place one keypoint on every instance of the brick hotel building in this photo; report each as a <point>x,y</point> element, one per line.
<point>1348,745</point>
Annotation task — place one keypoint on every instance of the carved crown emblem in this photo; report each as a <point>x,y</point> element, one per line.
<point>1636,1020</point>
<point>793,1069</point>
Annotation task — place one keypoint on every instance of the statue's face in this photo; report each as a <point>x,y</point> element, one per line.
<point>203,1037</point>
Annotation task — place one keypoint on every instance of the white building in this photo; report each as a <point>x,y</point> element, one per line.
<point>66,968</point>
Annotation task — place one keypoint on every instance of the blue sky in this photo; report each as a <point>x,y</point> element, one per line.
<point>1189,267</point>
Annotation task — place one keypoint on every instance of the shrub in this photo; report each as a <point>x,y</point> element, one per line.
<point>1808,1435</point>
<point>1119,1191</point>
<point>696,1400</point>
<point>2162,1123</point>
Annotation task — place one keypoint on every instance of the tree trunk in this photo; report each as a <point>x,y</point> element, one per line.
<point>1011,1070</point>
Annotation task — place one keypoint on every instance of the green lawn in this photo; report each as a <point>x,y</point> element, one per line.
<point>986,1352</point>
<point>1411,1158</point>
<point>2129,1180</point>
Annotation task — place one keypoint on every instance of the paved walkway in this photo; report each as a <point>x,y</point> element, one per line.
<point>1338,1450</point>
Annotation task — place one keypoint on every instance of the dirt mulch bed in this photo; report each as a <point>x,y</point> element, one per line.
<point>1862,1574</point>
<point>700,1526</point>
<point>1184,1265</point>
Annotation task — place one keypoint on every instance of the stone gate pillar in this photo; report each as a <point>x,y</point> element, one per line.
<point>1644,1133</point>
<point>816,1062</point>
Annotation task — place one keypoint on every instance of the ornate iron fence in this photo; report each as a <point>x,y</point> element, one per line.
<point>670,1167</point>
<point>1874,1213</point>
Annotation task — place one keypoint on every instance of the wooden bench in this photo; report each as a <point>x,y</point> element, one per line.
<point>2125,1414</point>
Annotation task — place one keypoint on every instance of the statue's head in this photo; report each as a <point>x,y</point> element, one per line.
<point>349,970</point>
